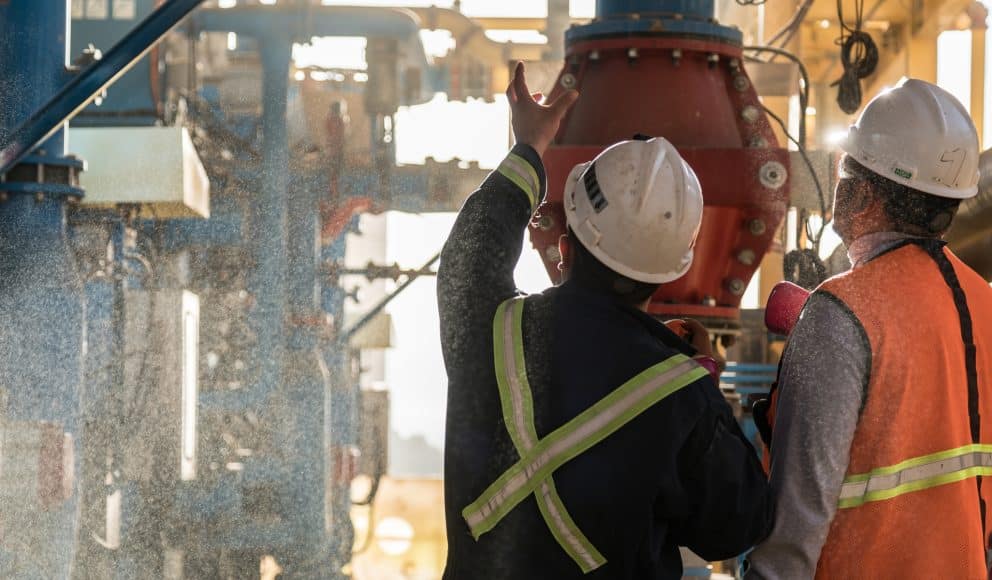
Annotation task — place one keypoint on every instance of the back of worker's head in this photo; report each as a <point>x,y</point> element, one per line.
<point>634,211</point>
<point>916,148</point>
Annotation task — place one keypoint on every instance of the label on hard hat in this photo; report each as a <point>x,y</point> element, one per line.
<point>903,173</point>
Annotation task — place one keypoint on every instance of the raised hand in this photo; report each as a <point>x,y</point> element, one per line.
<point>535,124</point>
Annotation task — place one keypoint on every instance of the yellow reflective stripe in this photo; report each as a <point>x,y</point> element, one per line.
<point>518,415</point>
<point>971,448</point>
<point>522,174</point>
<point>531,172</point>
<point>916,474</point>
<point>564,529</point>
<point>518,378</point>
<point>587,429</point>
<point>504,367</point>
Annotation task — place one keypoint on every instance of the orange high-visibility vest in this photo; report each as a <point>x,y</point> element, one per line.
<point>910,503</point>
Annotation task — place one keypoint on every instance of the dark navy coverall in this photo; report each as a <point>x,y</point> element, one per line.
<point>681,473</point>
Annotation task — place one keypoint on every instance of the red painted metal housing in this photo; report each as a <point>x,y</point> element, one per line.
<point>697,95</point>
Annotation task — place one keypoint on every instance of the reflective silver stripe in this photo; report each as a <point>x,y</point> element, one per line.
<point>515,168</point>
<point>591,562</point>
<point>527,434</point>
<point>914,478</point>
<point>574,438</point>
<point>524,168</point>
<point>516,390</point>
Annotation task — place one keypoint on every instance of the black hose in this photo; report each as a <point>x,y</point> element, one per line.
<point>859,57</point>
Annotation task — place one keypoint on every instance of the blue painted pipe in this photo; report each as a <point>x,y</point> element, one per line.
<point>267,281</point>
<point>47,118</point>
<point>33,48</point>
<point>301,23</point>
<point>41,296</point>
<point>645,8</point>
<point>654,18</point>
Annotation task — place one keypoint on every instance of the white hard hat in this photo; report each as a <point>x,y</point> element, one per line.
<point>637,208</point>
<point>919,135</point>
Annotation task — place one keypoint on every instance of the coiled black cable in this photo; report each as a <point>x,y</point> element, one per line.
<point>858,56</point>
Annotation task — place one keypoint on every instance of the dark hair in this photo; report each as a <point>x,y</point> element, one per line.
<point>594,275</point>
<point>911,211</point>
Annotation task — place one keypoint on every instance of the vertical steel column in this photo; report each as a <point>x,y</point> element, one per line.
<point>267,281</point>
<point>34,48</point>
<point>306,389</point>
<point>341,407</point>
<point>41,303</point>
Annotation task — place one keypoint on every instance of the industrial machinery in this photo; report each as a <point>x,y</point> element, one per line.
<point>179,386</point>
<point>645,68</point>
<point>179,393</point>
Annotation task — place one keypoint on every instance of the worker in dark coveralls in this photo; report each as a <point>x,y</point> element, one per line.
<point>584,437</point>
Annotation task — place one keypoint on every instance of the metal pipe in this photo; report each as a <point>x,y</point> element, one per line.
<point>270,232</point>
<point>627,8</point>
<point>305,386</point>
<point>41,307</point>
<point>34,64</point>
<point>301,23</point>
<point>47,119</point>
<point>348,334</point>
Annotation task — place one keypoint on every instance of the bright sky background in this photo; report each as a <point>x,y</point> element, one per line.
<point>479,131</point>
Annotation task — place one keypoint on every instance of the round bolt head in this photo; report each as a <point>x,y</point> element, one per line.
<point>746,257</point>
<point>594,55</point>
<point>568,81</point>
<point>741,83</point>
<point>773,175</point>
<point>750,114</point>
<point>552,255</point>
<point>758,142</point>
<point>709,301</point>
<point>632,53</point>
<point>757,226</point>
<point>736,286</point>
<point>545,222</point>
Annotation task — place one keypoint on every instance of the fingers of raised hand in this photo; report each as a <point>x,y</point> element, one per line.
<point>511,89</point>
<point>520,83</point>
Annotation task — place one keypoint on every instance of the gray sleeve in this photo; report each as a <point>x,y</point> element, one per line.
<point>822,385</point>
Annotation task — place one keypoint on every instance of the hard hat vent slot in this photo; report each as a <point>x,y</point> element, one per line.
<point>595,193</point>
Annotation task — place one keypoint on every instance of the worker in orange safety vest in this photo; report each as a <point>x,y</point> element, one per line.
<point>881,422</point>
